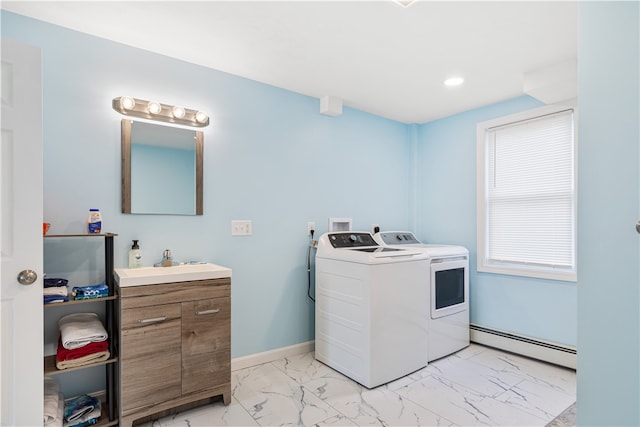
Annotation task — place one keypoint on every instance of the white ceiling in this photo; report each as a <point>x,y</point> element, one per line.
<point>376,56</point>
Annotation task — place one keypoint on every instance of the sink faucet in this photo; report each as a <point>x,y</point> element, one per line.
<point>167,259</point>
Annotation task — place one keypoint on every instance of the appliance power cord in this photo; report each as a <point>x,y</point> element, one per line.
<point>309,268</point>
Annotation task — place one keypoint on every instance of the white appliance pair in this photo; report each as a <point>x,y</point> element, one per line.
<point>448,283</point>
<point>383,310</point>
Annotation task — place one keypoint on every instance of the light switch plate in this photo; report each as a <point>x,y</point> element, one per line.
<point>241,227</point>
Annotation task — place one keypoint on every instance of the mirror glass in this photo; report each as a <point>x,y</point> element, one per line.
<point>161,169</point>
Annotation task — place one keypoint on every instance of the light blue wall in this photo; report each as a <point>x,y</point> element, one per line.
<point>609,199</point>
<point>269,156</point>
<point>446,213</point>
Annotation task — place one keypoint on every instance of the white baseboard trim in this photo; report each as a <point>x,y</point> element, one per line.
<point>271,355</point>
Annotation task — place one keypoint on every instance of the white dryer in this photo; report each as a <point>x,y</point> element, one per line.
<point>371,306</point>
<point>448,282</point>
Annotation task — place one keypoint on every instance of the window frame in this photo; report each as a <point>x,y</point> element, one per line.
<point>483,263</point>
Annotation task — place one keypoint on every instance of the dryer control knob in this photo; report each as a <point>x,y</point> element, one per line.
<point>399,236</point>
<point>353,238</point>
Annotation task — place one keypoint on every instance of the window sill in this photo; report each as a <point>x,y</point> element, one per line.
<point>537,273</point>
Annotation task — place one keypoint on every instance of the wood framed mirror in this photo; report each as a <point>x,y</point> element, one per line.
<point>162,169</point>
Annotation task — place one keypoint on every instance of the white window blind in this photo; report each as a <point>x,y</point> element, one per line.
<point>529,197</point>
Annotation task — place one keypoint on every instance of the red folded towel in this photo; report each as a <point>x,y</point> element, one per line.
<point>76,353</point>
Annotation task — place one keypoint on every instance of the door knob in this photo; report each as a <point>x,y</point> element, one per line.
<point>27,277</point>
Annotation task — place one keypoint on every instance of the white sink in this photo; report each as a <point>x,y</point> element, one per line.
<point>177,273</point>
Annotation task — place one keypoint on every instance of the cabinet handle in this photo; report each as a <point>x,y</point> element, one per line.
<point>213,310</point>
<point>155,319</point>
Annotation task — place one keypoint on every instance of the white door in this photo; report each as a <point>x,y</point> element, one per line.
<point>21,358</point>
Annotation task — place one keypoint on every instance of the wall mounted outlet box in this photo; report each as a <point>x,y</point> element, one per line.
<point>242,227</point>
<point>339,224</point>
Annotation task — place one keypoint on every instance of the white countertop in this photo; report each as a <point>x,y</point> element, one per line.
<point>177,273</point>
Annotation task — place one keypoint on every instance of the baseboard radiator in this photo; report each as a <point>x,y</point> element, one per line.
<point>547,351</point>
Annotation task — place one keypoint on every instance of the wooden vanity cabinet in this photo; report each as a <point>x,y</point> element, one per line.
<point>175,346</point>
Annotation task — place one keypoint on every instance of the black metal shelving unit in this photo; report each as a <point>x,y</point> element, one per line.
<point>111,364</point>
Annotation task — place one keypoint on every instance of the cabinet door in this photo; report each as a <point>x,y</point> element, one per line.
<point>206,344</point>
<point>150,355</point>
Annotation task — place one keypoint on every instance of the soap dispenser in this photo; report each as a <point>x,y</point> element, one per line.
<point>135,256</point>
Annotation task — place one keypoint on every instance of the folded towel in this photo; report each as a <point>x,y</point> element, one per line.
<point>59,419</point>
<point>89,359</point>
<point>52,401</point>
<point>79,329</point>
<point>53,282</point>
<point>90,291</point>
<point>51,404</point>
<point>92,347</point>
<point>48,299</point>
<point>93,296</point>
<point>85,354</point>
<point>80,409</point>
<point>56,290</point>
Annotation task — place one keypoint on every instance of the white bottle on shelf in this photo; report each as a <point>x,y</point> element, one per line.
<point>135,256</point>
<point>94,222</point>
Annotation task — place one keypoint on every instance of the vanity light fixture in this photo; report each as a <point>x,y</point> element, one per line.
<point>153,110</point>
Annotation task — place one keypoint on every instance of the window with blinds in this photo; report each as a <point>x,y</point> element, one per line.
<point>527,194</point>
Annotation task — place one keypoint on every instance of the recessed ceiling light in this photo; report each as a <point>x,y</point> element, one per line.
<point>404,3</point>
<point>454,81</point>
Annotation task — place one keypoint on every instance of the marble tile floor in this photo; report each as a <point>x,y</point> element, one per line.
<point>477,386</point>
<point>568,418</point>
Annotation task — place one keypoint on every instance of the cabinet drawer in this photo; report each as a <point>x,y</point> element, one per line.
<point>206,326</point>
<point>167,293</point>
<point>149,318</point>
<point>150,355</point>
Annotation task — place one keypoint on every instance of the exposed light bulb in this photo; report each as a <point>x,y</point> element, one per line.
<point>154,107</point>
<point>454,81</point>
<point>178,112</point>
<point>201,117</point>
<point>127,103</point>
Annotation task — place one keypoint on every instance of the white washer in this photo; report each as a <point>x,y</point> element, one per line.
<point>371,308</point>
<point>448,277</point>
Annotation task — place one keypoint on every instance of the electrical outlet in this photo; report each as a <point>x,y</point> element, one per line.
<point>311,226</point>
<point>241,227</point>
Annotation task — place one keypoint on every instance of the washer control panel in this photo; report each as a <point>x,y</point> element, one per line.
<point>351,240</point>
<point>399,238</point>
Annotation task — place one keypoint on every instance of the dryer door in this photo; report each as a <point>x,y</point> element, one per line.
<point>449,286</point>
